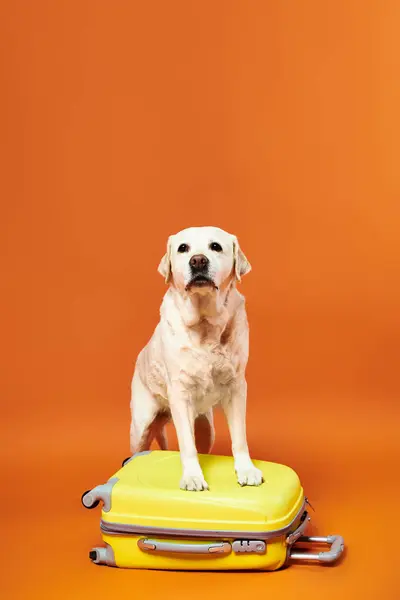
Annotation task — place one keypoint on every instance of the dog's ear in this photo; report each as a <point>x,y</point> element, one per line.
<point>165,264</point>
<point>241,264</point>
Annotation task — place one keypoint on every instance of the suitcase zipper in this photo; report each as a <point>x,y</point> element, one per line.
<point>125,529</point>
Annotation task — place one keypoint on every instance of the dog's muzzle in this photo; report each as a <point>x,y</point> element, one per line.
<point>200,281</point>
<point>199,270</point>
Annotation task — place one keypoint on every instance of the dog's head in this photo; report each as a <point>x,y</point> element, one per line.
<point>202,260</point>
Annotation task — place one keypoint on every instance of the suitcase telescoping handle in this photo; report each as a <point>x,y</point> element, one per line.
<point>335,542</point>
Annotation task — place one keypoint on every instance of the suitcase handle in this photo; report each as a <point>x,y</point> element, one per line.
<point>150,545</point>
<point>336,543</point>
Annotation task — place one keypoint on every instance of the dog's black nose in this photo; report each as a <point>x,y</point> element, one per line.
<point>199,262</point>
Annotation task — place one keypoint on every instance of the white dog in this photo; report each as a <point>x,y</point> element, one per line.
<point>197,355</point>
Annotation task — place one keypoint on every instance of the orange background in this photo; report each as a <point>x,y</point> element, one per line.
<point>123,122</point>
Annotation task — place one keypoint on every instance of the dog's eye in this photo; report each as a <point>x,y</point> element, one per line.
<point>216,247</point>
<point>183,248</point>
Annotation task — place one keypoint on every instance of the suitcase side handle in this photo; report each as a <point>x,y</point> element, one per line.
<point>335,542</point>
<point>153,546</point>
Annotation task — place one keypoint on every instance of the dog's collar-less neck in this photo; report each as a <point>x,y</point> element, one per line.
<point>195,308</point>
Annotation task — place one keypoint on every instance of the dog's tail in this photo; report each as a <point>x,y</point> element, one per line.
<point>203,430</point>
<point>161,438</point>
<point>204,433</point>
<point>157,430</point>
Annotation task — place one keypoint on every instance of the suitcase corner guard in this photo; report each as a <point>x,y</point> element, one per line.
<point>91,498</point>
<point>129,458</point>
<point>103,556</point>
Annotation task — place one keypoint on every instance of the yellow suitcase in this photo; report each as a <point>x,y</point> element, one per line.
<point>148,522</point>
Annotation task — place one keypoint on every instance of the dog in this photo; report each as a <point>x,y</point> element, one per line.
<point>197,356</point>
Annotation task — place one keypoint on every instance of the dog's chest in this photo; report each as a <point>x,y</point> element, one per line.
<point>207,373</point>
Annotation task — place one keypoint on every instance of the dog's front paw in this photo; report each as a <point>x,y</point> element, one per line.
<point>249,476</point>
<point>193,483</point>
<point>247,473</point>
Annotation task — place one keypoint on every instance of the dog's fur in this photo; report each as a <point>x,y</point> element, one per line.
<point>197,355</point>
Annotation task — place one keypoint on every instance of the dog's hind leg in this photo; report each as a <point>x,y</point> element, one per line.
<point>147,422</point>
<point>204,432</point>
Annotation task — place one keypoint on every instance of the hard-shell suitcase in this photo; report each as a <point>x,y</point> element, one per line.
<point>148,522</point>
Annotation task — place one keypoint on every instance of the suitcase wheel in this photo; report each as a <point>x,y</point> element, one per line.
<point>93,555</point>
<point>93,505</point>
